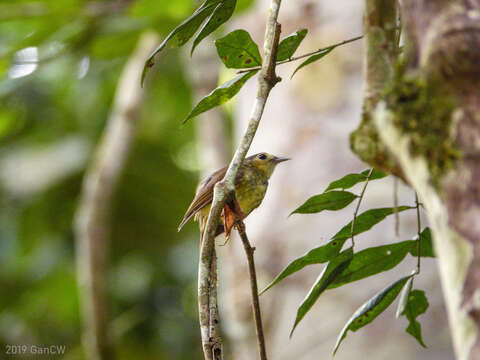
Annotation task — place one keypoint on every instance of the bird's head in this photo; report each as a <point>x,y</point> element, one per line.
<point>265,162</point>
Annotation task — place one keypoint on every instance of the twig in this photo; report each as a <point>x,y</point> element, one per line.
<point>358,205</point>
<point>249,250</point>
<point>92,217</point>
<point>224,189</point>
<point>295,58</point>
<point>419,227</point>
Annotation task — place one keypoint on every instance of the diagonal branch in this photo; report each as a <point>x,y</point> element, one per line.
<point>224,189</point>
<point>299,57</point>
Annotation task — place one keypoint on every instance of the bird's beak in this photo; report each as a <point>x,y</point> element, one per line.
<point>278,160</point>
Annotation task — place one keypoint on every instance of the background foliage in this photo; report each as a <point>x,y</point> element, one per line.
<point>63,105</point>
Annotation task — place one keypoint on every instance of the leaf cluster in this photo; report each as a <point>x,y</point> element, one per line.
<point>345,267</point>
<point>237,50</point>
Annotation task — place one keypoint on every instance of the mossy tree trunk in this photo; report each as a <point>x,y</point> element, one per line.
<point>421,122</point>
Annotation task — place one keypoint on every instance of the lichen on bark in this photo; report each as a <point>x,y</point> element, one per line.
<point>423,109</point>
<point>381,49</point>
<point>366,143</point>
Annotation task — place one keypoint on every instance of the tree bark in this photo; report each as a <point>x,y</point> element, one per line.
<point>428,117</point>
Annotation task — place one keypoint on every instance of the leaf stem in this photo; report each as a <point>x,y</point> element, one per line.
<point>294,58</point>
<point>358,205</point>
<point>395,206</point>
<point>419,226</point>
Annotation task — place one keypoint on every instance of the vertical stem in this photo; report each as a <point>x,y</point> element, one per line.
<point>214,331</point>
<point>395,206</point>
<point>419,227</point>
<point>358,205</point>
<point>249,250</point>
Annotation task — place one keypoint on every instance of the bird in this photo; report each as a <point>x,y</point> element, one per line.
<point>251,185</point>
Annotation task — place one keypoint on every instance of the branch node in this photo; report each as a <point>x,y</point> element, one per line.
<point>270,76</point>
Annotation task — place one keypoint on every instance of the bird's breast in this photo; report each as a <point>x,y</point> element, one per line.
<point>250,191</point>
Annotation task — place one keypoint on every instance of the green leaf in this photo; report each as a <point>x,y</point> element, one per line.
<point>237,50</point>
<point>350,180</point>
<point>366,221</point>
<point>426,244</point>
<point>402,303</point>
<point>417,304</point>
<point>371,309</point>
<point>182,33</point>
<point>220,15</point>
<point>290,44</point>
<point>318,255</point>
<point>331,271</point>
<point>372,261</point>
<point>333,200</point>
<point>221,94</point>
<point>312,59</point>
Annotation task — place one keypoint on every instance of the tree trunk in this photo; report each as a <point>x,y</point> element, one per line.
<point>428,117</point>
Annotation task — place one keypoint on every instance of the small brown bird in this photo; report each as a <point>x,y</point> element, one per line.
<point>250,187</point>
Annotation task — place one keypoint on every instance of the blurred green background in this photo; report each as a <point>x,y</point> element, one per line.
<point>59,66</point>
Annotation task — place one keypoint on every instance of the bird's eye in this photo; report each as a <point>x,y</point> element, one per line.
<point>262,156</point>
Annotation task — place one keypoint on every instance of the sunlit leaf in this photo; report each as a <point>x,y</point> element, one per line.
<point>402,303</point>
<point>350,180</point>
<point>288,46</point>
<point>372,261</point>
<point>366,221</point>
<point>426,244</point>
<point>331,271</point>
<point>182,33</point>
<point>417,304</point>
<point>220,15</point>
<point>318,255</point>
<point>333,200</point>
<point>237,50</point>
<point>221,94</point>
<point>371,309</point>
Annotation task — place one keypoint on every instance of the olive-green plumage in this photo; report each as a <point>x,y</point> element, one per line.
<point>250,187</point>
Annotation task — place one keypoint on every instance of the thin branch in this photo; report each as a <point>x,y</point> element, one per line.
<point>358,205</point>
<point>419,229</point>
<point>249,250</point>
<point>214,320</point>
<point>92,218</point>
<point>224,189</point>
<point>295,58</point>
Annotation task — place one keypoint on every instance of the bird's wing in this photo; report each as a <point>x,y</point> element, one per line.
<point>204,195</point>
